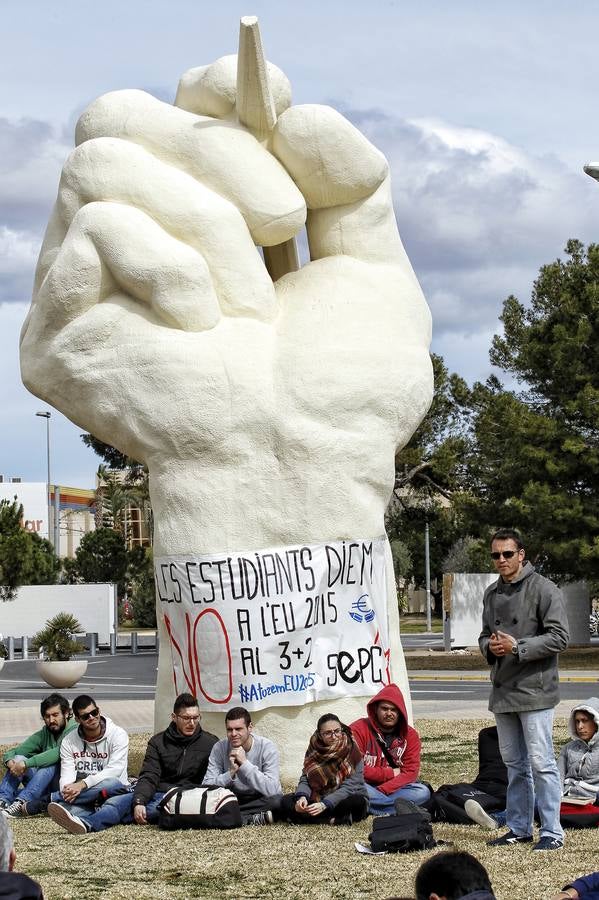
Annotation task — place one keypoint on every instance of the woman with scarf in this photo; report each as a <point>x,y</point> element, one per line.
<point>331,789</point>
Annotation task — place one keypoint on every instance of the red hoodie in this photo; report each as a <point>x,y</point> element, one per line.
<point>404,747</point>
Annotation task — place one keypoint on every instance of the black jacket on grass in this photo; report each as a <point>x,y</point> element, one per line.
<point>173,759</point>
<point>15,886</point>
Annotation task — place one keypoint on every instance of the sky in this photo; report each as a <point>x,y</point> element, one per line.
<point>486,113</point>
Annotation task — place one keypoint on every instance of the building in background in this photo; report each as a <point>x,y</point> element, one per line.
<point>76,510</point>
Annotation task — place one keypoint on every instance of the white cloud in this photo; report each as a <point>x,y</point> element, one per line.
<point>23,445</point>
<point>478,217</point>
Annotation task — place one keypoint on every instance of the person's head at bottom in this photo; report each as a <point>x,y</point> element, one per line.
<point>7,850</point>
<point>451,876</point>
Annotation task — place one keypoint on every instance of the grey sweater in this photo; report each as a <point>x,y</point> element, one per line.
<point>531,609</point>
<point>259,773</point>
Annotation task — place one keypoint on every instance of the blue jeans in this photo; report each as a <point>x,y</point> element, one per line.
<point>152,807</point>
<point>114,811</point>
<point>37,786</point>
<point>526,747</point>
<point>380,804</point>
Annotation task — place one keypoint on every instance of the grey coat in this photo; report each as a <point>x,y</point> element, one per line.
<point>531,609</point>
<point>578,761</point>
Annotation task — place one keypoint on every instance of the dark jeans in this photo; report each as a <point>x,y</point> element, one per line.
<point>355,805</point>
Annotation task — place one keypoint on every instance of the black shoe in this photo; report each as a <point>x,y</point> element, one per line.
<point>343,820</point>
<point>509,839</point>
<point>16,810</point>
<point>261,818</point>
<point>547,843</point>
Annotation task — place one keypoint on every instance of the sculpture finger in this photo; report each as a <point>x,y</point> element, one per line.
<point>111,249</point>
<point>101,170</point>
<point>221,155</point>
<point>212,90</point>
<point>345,181</point>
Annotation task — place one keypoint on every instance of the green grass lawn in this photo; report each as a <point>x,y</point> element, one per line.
<point>417,625</point>
<point>280,861</point>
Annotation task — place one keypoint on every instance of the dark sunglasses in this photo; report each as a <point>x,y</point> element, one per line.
<point>89,715</point>
<point>507,554</point>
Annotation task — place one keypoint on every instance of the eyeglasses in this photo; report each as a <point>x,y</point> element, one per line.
<point>188,718</point>
<point>89,715</point>
<point>334,733</point>
<point>507,554</point>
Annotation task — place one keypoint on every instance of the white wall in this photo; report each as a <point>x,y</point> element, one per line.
<point>466,607</point>
<point>91,604</point>
<point>34,497</point>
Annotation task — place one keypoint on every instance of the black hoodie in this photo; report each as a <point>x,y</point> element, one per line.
<point>173,759</point>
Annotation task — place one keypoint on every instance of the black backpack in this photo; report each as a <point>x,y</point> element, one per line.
<point>409,829</point>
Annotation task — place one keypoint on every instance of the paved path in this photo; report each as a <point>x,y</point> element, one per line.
<point>123,685</point>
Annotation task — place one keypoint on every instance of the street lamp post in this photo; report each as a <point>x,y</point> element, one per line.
<point>427,575</point>
<point>592,169</point>
<point>46,415</point>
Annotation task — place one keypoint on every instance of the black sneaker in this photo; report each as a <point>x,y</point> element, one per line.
<point>261,818</point>
<point>343,820</point>
<point>16,810</point>
<point>509,839</point>
<point>547,843</point>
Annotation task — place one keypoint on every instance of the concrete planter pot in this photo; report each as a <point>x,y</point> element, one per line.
<point>61,673</point>
<point>1,663</point>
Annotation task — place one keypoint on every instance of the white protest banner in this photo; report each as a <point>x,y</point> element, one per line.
<point>278,627</point>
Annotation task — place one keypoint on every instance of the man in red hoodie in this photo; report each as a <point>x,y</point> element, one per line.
<point>391,750</point>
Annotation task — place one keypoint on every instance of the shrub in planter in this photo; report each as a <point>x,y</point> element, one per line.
<point>55,640</point>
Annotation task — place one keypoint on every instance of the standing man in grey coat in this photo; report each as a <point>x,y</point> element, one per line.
<point>248,765</point>
<point>524,628</point>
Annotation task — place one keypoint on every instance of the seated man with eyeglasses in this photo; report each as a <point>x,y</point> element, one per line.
<point>247,764</point>
<point>176,757</point>
<point>94,788</point>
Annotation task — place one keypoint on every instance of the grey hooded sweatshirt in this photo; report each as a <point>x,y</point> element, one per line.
<point>578,761</point>
<point>531,609</point>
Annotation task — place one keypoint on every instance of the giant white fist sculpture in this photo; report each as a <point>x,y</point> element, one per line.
<point>268,414</point>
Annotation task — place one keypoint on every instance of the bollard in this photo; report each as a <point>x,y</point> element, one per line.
<point>113,643</point>
<point>10,644</point>
<point>134,642</point>
<point>157,641</point>
<point>92,637</point>
<point>25,647</point>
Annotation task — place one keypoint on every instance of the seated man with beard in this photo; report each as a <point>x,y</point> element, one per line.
<point>391,751</point>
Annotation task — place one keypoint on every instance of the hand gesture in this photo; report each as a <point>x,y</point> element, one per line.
<point>140,814</point>
<point>156,326</point>
<point>501,643</point>
<point>70,792</point>
<point>267,412</point>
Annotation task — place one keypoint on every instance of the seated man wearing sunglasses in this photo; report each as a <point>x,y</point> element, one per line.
<point>94,787</point>
<point>525,627</point>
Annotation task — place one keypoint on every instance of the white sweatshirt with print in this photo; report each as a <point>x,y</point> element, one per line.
<point>94,761</point>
